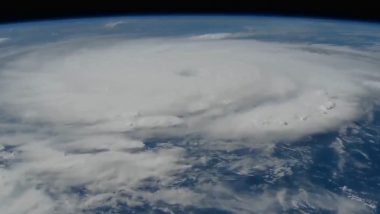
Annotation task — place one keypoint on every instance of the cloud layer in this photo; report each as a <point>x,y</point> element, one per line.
<point>77,117</point>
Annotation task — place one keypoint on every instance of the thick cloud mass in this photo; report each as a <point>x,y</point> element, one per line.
<point>77,115</point>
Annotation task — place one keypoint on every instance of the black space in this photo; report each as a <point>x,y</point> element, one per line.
<point>16,11</point>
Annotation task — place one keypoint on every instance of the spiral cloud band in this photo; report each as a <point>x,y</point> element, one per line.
<point>80,118</point>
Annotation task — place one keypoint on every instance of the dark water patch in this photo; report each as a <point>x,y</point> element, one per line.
<point>9,156</point>
<point>150,184</point>
<point>8,148</point>
<point>206,211</point>
<point>85,151</point>
<point>79,190</point>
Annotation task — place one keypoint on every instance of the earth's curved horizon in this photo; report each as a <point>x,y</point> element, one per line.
<point>190,114</point>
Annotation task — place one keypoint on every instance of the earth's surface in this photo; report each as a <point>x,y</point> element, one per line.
<point>190,114</point>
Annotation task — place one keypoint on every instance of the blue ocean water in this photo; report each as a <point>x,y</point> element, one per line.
<point>315,163</point>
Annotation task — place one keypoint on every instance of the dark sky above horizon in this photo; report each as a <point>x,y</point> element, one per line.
<point>16,11</point>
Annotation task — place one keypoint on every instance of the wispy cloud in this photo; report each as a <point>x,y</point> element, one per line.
<point>215,36</point>
<point>2,40</point>
<point>114,24</point>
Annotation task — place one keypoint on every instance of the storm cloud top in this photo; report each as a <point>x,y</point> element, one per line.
<point>77,117</point>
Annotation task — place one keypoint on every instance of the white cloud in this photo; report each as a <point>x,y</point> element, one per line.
<point>57,170</point>
<point>114,24</point>
<point>217,36</point>
<point>2,40</point>
<point>81,107</point>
